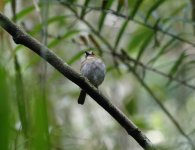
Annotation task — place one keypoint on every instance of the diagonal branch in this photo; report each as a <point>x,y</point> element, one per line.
<point>20,37</point>
<point>125,59</point>
<point>157,100</point>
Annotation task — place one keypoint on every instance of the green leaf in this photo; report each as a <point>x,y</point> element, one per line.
<point>120,33</point>
<point>75,58</point>
<point>21,98</point>
<point>143,46</point>
<point>83,40</point>
<point>104,3</point>
<point>193,12</point>
<point>4,111</point>
<point>24,12</point>
<point>131,105</point>
<point>84,8</point>
<point>136,7</point>
<point>110,68</point>
<point>13,8</point>
<point>176,66</point>
<point>141,122</point>
<point>70,1</point>
<point>163,49</point>
<point>39,122</point>
<point>52,20</point>
<point>138,37</point>
<point>121,3</point>
<point>65,36</point>
<point>103,14</point>
<point>153,8</point>
<point>95,43</point>
<point>177,10</point>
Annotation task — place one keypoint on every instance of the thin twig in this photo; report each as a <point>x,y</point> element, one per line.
<point>181,82</point>
<point>113,12</point>
<point>109,46</point>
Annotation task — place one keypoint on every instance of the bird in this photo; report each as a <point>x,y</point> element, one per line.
<point>94,69</point>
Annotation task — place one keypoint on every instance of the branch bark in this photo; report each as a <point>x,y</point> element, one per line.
<point>20,37</point>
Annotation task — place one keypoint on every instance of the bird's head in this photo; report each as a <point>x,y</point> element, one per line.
<point>89,54</point>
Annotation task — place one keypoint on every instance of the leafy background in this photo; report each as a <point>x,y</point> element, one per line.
<point>148,48</point>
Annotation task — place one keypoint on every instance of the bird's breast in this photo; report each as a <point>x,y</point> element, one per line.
<point>94,70</point>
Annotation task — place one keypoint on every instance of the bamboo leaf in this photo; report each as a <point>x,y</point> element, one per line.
<point>4,111</point>
<point>177,10</point>
<point>163,49</point>
<point>143,46</point>
<point>70,1</point>
<point>176,66</point>
<point>121,3</point>
<point>193,13</point>
<point>54,19</point>
<point>95,43</point>
<point>104,3</point>
<point>153,8</point>
<point>84,8</point>
<point>13,7</point>
<point>75,58</point>
<point>110,68</point>
<point>65,36</point>
<point>137,38</point>
<point>141,123</point>
<point>83,39</point>
<point>136,7</point>
<point>24,12</point>
<point>121,31</point>
<point>131,104</point>
<point>107,5</point>
<point>40,130</point>
<point>20,98</point>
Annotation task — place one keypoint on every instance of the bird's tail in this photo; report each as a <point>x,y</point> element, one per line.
<point>81,98</point>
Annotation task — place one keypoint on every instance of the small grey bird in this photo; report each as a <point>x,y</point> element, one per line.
<point>94,70</point>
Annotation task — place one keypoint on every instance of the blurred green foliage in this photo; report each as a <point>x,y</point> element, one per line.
<point>38,106</point>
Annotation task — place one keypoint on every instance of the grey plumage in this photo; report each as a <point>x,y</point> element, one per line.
<point>94,70</point>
